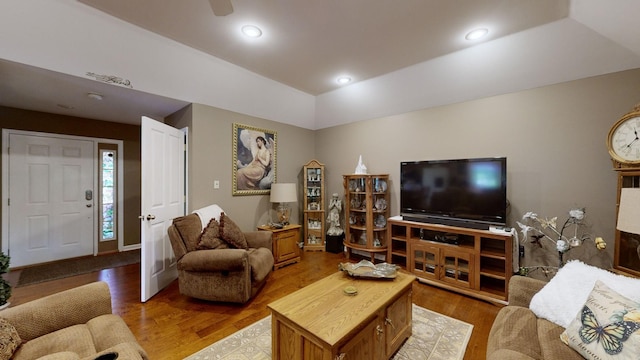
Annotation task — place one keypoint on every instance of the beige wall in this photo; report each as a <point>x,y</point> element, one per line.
<point>553,138</point>
<point>210,133</point>
<point>210,159</point>
<point>130,135</point>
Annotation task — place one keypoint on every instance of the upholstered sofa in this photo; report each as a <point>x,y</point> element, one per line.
<point>226,273</point>
<point>72,324</point>
<point>518,334</point>
<point>581,312</point>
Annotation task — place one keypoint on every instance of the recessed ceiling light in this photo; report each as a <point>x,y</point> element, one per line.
<point>343,80</point>
<point>251,31</point>
<point>95,96</point>
<point>476,34</point>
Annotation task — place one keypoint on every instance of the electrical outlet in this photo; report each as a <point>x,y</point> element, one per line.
<point>216,184</point>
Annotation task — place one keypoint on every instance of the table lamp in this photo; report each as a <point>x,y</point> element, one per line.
<point>283,193</point>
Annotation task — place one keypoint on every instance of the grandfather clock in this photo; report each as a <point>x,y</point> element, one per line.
<point>623,143</point>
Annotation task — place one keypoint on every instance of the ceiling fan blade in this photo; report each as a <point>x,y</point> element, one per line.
<point>221,7</point>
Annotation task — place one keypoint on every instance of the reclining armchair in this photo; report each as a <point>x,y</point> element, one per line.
<point>78,323</point>
<point>225,274</point>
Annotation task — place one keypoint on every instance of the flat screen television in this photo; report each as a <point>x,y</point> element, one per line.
<point>468,193</point>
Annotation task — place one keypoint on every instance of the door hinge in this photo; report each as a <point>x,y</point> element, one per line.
<point>8,202</point>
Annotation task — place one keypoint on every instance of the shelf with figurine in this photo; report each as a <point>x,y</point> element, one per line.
<point>314,206</point>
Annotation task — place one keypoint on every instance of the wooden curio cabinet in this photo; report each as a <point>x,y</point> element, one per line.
<point>367,210</point>
<point>314,210</point>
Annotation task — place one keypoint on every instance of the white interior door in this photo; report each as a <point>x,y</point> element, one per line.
<point>51,214</point>
<point>163,198</point>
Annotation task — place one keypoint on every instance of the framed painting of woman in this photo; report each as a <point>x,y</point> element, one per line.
<point>254,160</point>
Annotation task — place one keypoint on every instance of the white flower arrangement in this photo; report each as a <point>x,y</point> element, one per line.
<point>535,228</point>
<point>577,214</point>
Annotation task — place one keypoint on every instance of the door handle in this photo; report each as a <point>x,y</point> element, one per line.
<point>149,217</point>
<point>389,322</point>
<point>89,205</point>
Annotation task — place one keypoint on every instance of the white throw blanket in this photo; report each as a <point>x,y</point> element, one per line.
<point>207,213</point>
<point>564,295</point>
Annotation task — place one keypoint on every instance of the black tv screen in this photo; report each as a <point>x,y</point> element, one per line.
<point>463,192</point>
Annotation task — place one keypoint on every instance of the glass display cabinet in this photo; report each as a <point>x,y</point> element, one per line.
<point>314,210</point>
<point>367,210</point>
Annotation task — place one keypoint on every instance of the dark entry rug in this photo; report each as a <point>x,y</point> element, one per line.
<point>65,268</point>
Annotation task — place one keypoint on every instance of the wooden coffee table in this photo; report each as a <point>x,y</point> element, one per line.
<point>321,321</point>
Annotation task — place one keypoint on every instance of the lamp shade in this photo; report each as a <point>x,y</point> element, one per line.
<point>629,211</point>
<point>284,193</point>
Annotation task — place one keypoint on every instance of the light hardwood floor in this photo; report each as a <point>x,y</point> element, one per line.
<point>172,326</point>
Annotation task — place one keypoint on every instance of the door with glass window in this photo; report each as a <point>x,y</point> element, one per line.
<point>425,260</point>
<point>457,267</point>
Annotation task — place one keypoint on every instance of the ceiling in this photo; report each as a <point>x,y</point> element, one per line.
<point>31,88</point>
<point>305,45</point>
<point>308,44</point>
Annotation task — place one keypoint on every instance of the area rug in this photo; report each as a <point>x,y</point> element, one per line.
<point>435,337</point>
<point>65,268</point>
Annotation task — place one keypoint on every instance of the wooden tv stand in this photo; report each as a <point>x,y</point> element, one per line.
<point>474,262</point>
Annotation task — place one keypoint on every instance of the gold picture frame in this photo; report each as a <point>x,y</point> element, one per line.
<point>254,160</point>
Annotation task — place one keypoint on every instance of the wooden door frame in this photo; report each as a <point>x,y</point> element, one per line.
<point>5,184</point>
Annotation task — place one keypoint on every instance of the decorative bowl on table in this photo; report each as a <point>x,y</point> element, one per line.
<point>366,269</point>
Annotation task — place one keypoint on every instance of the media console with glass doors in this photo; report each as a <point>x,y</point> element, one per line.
<point>474,262</point>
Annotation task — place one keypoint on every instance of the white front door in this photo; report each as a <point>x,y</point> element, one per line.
<point>50,198</point>
<point>163,198</point>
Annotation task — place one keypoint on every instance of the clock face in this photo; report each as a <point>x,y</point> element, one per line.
<point>624,139</point>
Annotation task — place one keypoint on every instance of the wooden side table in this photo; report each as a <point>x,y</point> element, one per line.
<point>285,244</point>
